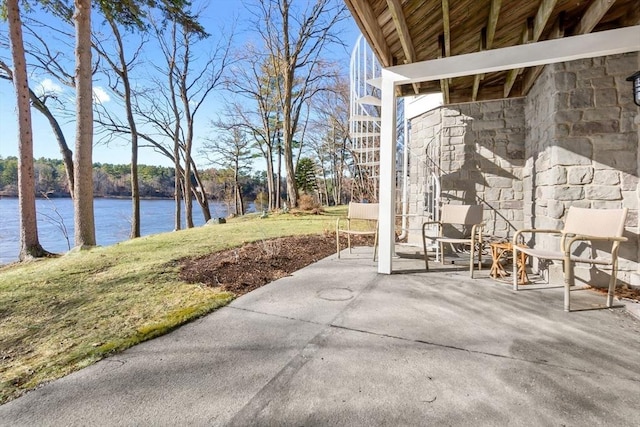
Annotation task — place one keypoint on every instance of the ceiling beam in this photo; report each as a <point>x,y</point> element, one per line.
<point>542,17</point>
<point>601,43</point>
<point>395,8</point>
<point>492,23</point>
<point>532,75</point>
<point>486,40</point>
<point>593,15</point>
<point>366,20</point>
<point>403,31</point>
<point>539,23</point>
<point>444,83</point>
<point>513,74</point>
<point>478,77</point>
<point>446,27</point>
<point>445,46</point>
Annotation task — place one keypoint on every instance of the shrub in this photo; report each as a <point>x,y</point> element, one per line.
<point>308,203</point>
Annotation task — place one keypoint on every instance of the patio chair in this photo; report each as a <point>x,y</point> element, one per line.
<point>581,225</point>
<point>465,215</point>
<point>361,220</point>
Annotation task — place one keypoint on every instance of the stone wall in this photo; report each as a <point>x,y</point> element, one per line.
<point>481,156</point>
<point>573,141</point>
<point>582,148</point>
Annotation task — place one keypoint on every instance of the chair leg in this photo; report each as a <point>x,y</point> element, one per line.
<point>612,283</point>
<point>471,260</point>
<point>441,253</point>
<point>426,256</point>
<point>569,281</point>
<point>349,242</point>
<point>515,267</point>
<point>338,244</point>
<point>375,246</point>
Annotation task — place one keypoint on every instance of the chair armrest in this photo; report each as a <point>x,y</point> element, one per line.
<point>477,228</point>
<point>429,223</point>
<point>424,224</point>
<point>338,222</point>
<point>603,239</point>
<point>582,237</point>
<point>533,231</point>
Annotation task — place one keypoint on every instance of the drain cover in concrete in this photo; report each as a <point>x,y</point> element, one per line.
<point>336,294</point>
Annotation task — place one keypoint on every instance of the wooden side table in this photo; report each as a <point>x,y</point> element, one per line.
<point>500,251</point>
<point>522,267</point>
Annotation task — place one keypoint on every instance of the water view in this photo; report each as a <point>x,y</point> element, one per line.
<point>112,216</point>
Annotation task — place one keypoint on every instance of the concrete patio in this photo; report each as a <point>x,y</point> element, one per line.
<point>339,344</point>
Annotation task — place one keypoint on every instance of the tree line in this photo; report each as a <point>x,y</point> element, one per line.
<point>111,180</point>
<point>284,99</point>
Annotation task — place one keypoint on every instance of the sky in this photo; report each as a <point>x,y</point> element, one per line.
<point>216,14</point>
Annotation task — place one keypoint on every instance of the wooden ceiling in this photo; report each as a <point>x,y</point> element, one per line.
<point>408,31</point>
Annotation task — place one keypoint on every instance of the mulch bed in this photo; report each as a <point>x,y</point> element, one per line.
<point>243,269</point>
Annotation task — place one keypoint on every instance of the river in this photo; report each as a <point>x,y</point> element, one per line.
<point>112,217</point>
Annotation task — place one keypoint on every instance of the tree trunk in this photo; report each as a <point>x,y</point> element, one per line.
<point>135,188</point>
<point>240,201</point>
<point>279,178</point>
<point>85,233</point>
<point>188,197</point>
<point>178,189</point>
<point>29,244</point>
<point>287,110</point>
<point>270,178</point>
<point>292,190</point>
<point>201,195</point>
<point>67,154</point>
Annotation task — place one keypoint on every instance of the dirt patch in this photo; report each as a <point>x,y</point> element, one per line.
<point>627,293</point>
<point>241,270</point>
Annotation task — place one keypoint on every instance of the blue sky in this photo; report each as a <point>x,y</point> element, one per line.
<point>217,14</point>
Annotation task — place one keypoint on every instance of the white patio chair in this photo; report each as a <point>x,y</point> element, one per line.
<point>361,220</point>
<point>465,215</point>
<point>580,225</point>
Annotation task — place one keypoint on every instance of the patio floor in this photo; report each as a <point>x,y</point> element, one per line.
<point>338,344</point>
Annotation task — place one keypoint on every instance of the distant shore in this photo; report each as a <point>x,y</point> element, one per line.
<point>4,195</point>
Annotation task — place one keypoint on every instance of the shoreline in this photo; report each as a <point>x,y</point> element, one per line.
<point>5,196</point>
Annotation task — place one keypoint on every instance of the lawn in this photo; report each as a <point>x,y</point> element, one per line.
<point>59,315</point>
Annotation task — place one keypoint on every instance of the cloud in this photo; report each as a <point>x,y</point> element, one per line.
<point>100,95</point>
<point>49,87</point>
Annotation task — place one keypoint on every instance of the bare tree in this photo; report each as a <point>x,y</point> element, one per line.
<point>328,137</point>
<point>295,41</point>
<point>230,148</point>
<point>133,19</point>
<point>189,85</point>
<point>29,243</point>
<point>260,113</point>
<point>121,67</point>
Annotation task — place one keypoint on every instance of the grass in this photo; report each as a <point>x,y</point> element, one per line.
<point>61,314</point>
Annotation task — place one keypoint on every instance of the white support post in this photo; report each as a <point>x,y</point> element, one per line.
<point>387,176</point>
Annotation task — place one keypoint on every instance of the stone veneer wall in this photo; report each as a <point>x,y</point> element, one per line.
<point>582,149</point>
<point>573,141</point>
<point>482,154</point>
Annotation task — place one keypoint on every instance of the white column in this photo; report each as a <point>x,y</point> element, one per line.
<point>387,175</point>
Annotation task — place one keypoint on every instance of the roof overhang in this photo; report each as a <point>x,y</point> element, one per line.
<point>621,40</point>
<point>406,32</point>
